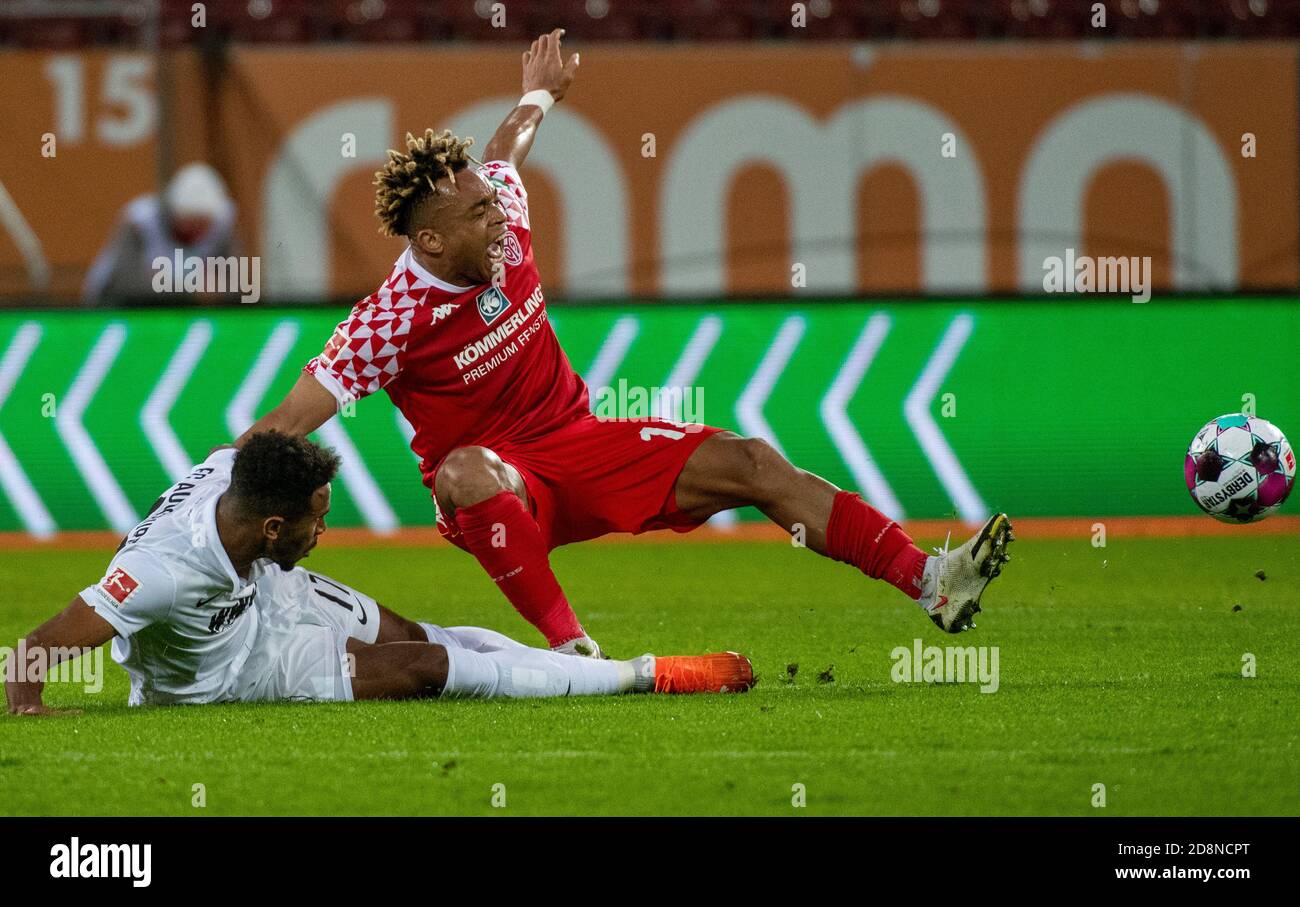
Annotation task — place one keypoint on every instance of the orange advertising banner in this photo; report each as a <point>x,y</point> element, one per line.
<point>693,170</point>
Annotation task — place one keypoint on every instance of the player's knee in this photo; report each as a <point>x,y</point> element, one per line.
<point>431,675</point>
<point>420,672</point>
<point>397,670</point>
<point>469,475</point>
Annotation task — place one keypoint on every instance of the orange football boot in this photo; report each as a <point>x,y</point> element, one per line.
<point>720,672</point>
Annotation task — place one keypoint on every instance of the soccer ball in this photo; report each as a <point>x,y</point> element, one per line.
<point>1239,468</point>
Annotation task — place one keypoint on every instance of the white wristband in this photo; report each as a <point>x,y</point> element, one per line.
<point>538,97</point>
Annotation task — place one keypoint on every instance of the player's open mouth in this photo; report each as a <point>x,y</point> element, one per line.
<point>496,251</point>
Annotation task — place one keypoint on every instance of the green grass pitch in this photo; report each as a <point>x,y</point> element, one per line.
<point>1119,666</point>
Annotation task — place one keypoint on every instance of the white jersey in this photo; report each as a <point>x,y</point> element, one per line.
<point>187,624</point>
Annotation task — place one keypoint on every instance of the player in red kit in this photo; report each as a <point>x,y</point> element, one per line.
<point>459,338</point>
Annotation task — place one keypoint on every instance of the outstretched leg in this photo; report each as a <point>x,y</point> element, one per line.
<point>499,667</point>
<point>728,471</point>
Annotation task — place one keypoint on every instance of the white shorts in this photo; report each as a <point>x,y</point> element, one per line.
<point>308,659</point>
<point>352,613</point>
<point>314,666</point>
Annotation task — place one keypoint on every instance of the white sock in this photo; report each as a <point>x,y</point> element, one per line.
<point>522,672</point>
<point>477,639</point>
<point>929,583</point>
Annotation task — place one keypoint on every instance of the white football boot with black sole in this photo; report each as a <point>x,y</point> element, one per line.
<point>953,581</point>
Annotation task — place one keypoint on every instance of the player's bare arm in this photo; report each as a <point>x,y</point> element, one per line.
<point>76,628</point>
<point>306,408</point>
<point>543,71</point>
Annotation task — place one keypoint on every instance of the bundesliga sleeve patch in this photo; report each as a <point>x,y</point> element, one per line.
<point>119,585</point>
<point>335,344</point>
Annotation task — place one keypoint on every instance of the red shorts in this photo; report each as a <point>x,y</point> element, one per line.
<point>596,476</point>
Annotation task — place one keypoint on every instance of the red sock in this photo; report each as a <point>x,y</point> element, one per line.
<point>861,535</point>
<point>518,563</point>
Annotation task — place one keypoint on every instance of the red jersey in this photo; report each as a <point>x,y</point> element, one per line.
<point>466,365</point>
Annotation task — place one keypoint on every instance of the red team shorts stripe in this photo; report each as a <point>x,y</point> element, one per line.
<point>594,476</point>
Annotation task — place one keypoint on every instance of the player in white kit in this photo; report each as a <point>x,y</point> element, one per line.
<point>204,603</point>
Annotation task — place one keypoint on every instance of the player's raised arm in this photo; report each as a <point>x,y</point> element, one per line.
<point>546,80</point>
<point>306,407</point>
<point>74,630</point>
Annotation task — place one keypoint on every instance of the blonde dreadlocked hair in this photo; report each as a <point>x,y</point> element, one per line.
<point>408,178</point>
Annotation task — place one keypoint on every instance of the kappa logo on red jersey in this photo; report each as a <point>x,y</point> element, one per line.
<point>119,585</point>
